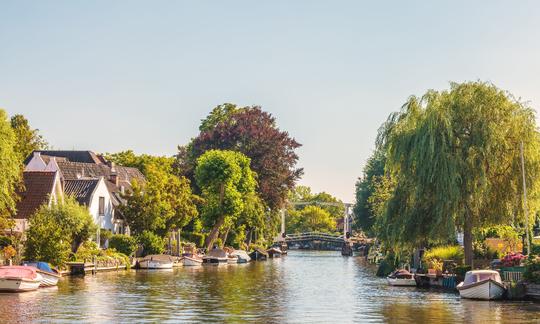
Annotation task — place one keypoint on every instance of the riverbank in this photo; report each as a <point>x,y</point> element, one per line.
<point>304,287</point>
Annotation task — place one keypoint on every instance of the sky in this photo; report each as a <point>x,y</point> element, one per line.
<point>116,75</point>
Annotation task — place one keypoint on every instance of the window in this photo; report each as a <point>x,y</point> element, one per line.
<point>101,206</point>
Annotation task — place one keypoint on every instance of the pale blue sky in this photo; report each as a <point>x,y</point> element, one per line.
<point>116,75</point>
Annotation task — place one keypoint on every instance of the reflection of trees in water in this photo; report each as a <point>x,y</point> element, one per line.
<point>433,312</point>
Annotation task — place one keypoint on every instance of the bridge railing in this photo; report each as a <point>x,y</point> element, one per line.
<point>313,235</point>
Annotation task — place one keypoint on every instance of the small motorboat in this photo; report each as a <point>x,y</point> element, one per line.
<point>216,256</point>
<point>401,277</point>
<point>239,256</point>
<point>258,255</point>
<point>191,257</point>
<point>274,252</point>
<point>482,284</point>
<point>19,279</point>
<point>156,261</point>
<point>50,276</point>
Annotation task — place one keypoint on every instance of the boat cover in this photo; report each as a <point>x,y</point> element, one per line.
<point>18,272</point>
<point>158,257</point>
<point>43,266</point>
<point>217,253</point>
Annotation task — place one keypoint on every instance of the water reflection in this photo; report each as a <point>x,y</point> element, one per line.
<point>304,287</point>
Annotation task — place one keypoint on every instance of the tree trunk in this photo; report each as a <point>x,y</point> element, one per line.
<point>248,237</point>
<point>214,233</point>
<point>224,235</point>
<point>467,240</point>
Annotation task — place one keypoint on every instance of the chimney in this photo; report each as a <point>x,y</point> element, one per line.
<point>113,177</point>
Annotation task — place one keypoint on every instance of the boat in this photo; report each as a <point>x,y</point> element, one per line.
<point>274,252</point>
<point>216,256</point>
<point>156,261</point>
<point>258,255</point>
<point>50,276</point>
<point>401,277</point>
<point>19,279</point>
<point>191,257</point>
<point>239,256</point>
<point>482,284</point>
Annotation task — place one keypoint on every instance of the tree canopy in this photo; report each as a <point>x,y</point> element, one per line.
<point>10,175</point>
<point>452,162</point>
<point>27,139</point>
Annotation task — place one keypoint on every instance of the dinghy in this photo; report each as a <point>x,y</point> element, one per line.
<point>401,277</point>
<point>19,279</point>
<point>156,261</point>
<point>216,256</point>
<point>482,284</point>
<point>50,276</point>
<point>191,257</point>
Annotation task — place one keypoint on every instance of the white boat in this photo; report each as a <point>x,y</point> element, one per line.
<point>194,260</point>
<point>157,261</point>
<point>401,277</point>
<point>216,257</point>
<point>239,256</point>
<point>50,276</point>
<point>19,279</point>
<point>482,284</point>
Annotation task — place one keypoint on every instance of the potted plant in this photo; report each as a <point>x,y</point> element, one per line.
<point>435,267</point>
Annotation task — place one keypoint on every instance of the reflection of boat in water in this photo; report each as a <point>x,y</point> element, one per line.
<point>238,256</point>
<point>482,284</point>
<point>156,261</point>
<point>50,276</point>
<point>215,257</point>
<point>19,279</point>
<point>401,277</point>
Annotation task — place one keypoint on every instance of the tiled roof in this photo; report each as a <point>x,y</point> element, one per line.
<point>81,189</point>
<point>75,170</point>
<point>73,156</point>
<point>38,186</point>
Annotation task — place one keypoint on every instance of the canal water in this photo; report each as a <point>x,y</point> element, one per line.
<point>303,287</point>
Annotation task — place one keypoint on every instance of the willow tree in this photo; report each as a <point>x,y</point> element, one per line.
<point>10,171</point>
<point>453,159</point>
<point>225,180</point>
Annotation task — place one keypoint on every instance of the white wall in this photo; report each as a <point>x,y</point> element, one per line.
<point>106,220</point>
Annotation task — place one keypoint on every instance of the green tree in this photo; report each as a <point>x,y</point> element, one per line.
<point>56,231</point>
<point>152,243</point>
<point>10,175</point>
<point>311,219</point>
<point>365,189</point>
<point>225,179</point>
<point>123,243</point>
<point>27,139</point>
<point>453,157</point>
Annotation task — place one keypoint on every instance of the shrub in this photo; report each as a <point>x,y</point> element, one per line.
<point>532,270</point>
<point>6,241</point>
<point>104,235</point>
<point>450,252</point>
<point>152,243</point>
<point>123,243</point>
<point>86,252</point>
<point>512,259</point>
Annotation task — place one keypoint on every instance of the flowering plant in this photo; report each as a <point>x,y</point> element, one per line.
<point>512,259</point>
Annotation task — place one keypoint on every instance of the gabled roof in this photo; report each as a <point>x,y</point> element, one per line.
<point>81,189</point>
<point>75,170</point>
<point>39,186</point>
<point>72,156</point>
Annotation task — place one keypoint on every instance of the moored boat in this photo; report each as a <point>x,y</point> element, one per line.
<point>482,284</point>
<point>19,279</point>
<point>274,252</point>
<point>50,276</point>
<point>401,277</point>
<point>239,256</point>
<point>191,257</point>
<point>215,257</point>
<point>258,255</point>
<point>156,261</point>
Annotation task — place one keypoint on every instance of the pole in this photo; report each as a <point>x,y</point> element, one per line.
<point>526,210</point>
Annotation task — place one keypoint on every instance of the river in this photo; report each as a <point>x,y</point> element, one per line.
<point>303,287</point>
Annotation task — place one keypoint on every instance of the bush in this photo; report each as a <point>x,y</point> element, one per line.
<point>152,243</point>
<point>450,252</point>
<point>86,252</point>
<point>6,241</point>
<point>123,243</point>
<point>532,270</point>
<point>104,235</point>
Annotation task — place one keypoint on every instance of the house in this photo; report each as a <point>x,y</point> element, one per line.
<point>41,187</point>
<point>93,181</point>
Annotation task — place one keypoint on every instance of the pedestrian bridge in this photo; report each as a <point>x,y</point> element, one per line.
<point>313,236</point>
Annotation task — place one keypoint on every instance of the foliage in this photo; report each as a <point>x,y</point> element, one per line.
<point>512,259</point>
<point>365,190</point>
<point>532,270</point>
<point>57,231</point>
<point>163,203</point>
<point>10,175</point>
<point>454,159</point>
<point>226,180</point>
<point>441,253</point>
<point>124,244</point>
<point>195,238</point>
<point>89,251</point>
<point>311,219</point>
<point>27,139</point>
<point>482,251</point>
<point>9,252</point>
<point>152,243</point>
<point>387,265</point>
<point>104,236</point>
<point>253,132</point>
<point>435,264</point>
<point>5,241</point>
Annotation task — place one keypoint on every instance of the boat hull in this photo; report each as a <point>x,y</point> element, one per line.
<point>49,279</point>
<point>19,284</point>
<point>150,264</point>
<point>484,290</point>
<point>191,262</point>
<point>215,261</point>
<point>401,282</point>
